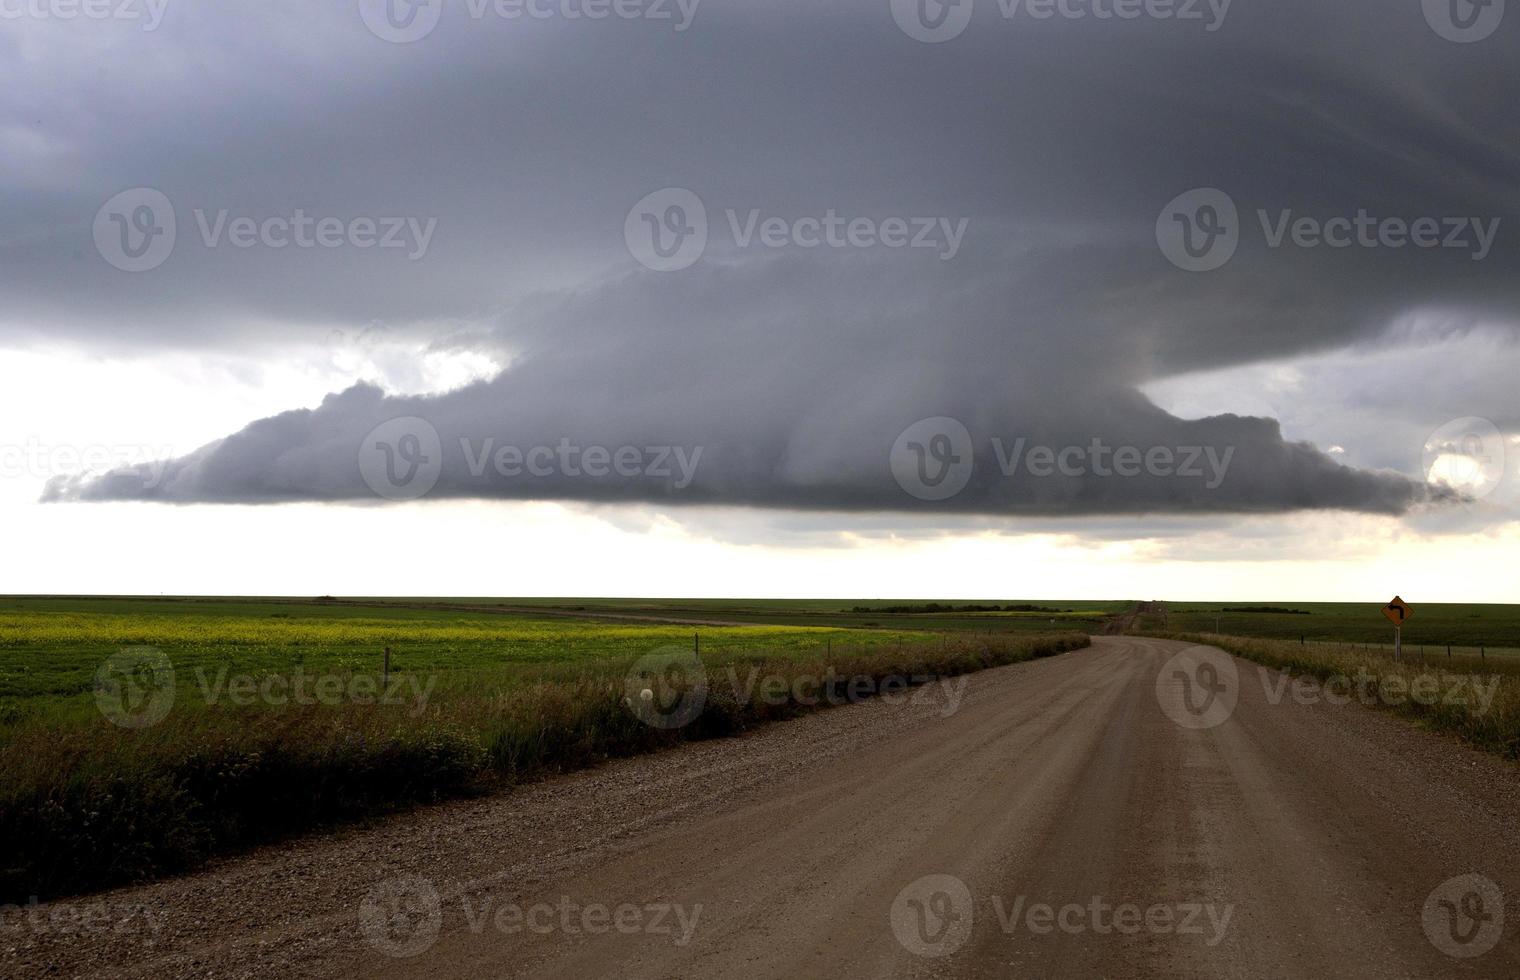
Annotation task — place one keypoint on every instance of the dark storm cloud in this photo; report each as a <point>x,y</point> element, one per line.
<point>795,370</point>
<point>718,367</point>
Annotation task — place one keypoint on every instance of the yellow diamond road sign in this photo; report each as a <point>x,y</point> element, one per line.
<point>1398,611</point>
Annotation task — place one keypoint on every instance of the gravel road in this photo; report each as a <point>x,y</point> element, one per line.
<point>1103,814</point>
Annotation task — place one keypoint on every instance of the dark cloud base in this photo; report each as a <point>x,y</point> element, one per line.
<point>315,455</point>
<point>794,370</point>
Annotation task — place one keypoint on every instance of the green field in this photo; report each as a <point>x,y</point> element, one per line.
<point>1469,629</point>
<point>1086,615</point>
<point>50,649</point>
<point>143,736</point>
<point>1333,642</point>
<point>491,692</point>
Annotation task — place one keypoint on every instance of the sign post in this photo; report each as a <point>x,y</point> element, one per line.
<point>1398,613</point>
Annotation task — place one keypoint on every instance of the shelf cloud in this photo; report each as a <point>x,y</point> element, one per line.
<point>788,256</point>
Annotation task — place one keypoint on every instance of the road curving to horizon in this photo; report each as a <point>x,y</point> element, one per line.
<point>1071,817</point>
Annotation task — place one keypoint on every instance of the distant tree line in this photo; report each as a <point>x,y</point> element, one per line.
<point>939,607</point>
<point>1269,609</point>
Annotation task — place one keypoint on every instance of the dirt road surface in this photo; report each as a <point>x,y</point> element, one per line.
<point>1103,814</point>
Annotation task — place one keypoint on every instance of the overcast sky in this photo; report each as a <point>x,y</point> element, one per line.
<point>760,296</point>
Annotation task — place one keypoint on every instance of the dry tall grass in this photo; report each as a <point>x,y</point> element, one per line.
<point>1493,726</point>
<point>91,805</point>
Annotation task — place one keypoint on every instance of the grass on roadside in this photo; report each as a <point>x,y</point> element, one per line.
<point>91,806</point>
<point>1493,726</point>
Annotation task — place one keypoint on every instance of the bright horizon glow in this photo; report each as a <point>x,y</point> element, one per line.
<point>546,549</point>
<point>516,549</point>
